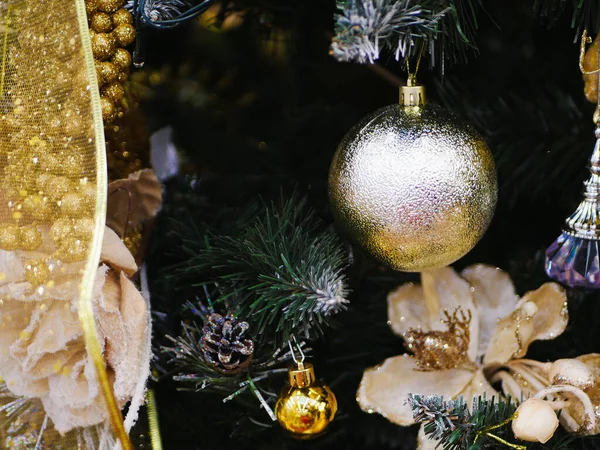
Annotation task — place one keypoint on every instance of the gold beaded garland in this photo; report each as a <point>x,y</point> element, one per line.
<point>111,29</point>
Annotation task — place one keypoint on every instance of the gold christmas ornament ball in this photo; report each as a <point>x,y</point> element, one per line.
<point>414,187</point>
<point>109,6</point>
<point>103,45</point>
<point>125,34</point>
<point>306,407</point>
<point>121,59</point>
<point>122,16</point>
<point>101,22</point>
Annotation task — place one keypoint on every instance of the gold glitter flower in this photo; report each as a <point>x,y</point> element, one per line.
<point>484,327</point>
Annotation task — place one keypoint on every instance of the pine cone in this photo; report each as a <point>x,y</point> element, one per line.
<point>224,345</point>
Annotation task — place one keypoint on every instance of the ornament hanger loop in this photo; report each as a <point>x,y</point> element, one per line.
<point>298,361</point>
<point>412,77</point>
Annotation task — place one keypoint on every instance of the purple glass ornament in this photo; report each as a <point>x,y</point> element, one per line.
<point>574,261</point>
<point>573,258</point>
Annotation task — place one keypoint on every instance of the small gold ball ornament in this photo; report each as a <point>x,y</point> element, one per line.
<point>306,407</point>
<point>103,45</point>
<point>413,185</point>
<point>108,109</point>
<point>122,16</point>
<point>109,6</point>
<point>125,34</point>
<point>107,72</point>
<point>121,59</point>
<point>114,92</point>
<point>101,22</point>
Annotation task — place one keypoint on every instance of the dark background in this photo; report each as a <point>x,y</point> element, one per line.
<point>259,109</point>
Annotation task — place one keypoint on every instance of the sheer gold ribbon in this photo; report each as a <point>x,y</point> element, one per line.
<point>53,187</point>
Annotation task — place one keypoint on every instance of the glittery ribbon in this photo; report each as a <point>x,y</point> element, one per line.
<point>52,132</point>
<point>86,314</point>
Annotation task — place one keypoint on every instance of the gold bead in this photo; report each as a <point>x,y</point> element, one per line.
<point>73,205</point>
<point>121,59</point>
<point>122,16</point>
<point>72,249</point>
<point>106,71</point>
<point>101,22</point>
<point>83,229</point>
<point>31,238</point>
<point>108,109</point>
<point>306,407</point>
<point>9,237</point>
<point>37,272</point>
<point>61,229</point>
<point>114,92</point>
<point>91,6</point>
<point>109,6</point>
<point>39,207</point>
<point>57,187</point>
<point>125,34</point>
<point>103,45</point>
<point>88,191</point>
<point>123,77</point>
<point>72,164</point>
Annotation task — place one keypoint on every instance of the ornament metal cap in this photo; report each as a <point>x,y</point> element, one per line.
<point>301,376</point>
<point>412,95</point>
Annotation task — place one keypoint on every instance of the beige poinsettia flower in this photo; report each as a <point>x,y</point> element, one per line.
<point>42,347</point>
<point>458,328</point>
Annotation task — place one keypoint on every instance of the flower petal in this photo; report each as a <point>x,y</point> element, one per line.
<point>421,306</point>
<point>494,297</point>
<point>539,315</point>
<point>384,389</point>
<point>478,386</point>
<point>115,254</point>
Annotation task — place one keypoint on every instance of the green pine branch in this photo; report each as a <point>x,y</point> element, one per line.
<point>446,29</point>
<point>585,13</point>
<point>457,427</point>
<point>281,273</point>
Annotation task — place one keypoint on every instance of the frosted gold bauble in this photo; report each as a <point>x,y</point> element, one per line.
<point>416,188</point>
<point>306,407</point>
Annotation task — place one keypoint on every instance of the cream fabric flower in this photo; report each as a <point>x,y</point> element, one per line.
<point>42,347</point>
<point>501,328</point>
